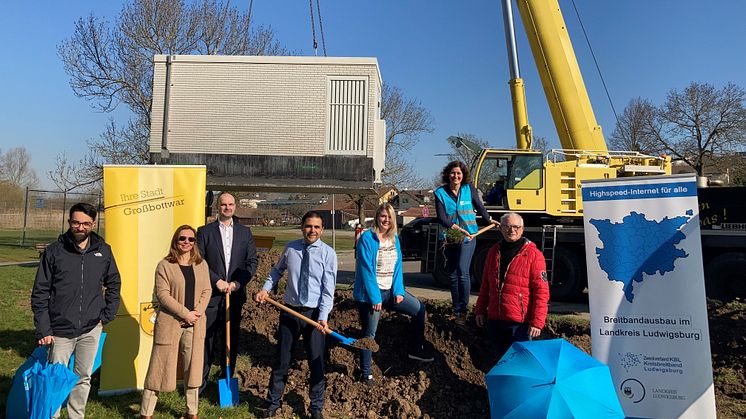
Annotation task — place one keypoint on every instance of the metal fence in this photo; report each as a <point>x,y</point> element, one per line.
<point>42,216</point>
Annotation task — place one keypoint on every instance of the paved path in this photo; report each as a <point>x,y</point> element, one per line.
<point>27,263</point>
<point>422,285</point>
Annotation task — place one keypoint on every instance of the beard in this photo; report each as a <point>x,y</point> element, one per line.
<point>80,236</point>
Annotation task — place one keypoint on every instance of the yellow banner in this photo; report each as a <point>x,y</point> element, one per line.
<point>143,206</point>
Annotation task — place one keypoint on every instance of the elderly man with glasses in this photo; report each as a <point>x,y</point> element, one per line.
<point>514,295</point>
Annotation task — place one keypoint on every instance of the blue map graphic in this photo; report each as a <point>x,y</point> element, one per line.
<point>638,246</point>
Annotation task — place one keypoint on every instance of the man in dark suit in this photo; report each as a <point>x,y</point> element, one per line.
<point>228,247</point>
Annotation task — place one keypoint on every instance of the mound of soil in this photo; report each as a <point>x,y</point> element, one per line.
<point>453,384</point>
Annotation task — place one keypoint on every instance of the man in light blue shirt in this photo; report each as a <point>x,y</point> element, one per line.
<point>312,277</point>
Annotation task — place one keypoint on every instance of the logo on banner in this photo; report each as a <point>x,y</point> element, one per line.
<point>633,390</point>
<point>630,360</point>
<point>148,312</point>
<point>639,245</point>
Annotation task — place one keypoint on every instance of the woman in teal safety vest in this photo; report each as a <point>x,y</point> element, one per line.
<point>455,203</point>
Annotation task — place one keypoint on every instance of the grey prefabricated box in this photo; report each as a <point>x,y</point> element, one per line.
<point>270,123</point>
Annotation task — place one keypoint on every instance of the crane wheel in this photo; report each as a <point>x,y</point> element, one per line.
<point>725,276</point>
<point>569,278</point>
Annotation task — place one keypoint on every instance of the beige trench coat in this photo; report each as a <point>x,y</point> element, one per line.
<point>169,290</point>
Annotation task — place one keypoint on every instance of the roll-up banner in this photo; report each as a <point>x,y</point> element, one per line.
<point>143,207</point>
<point>647,294</point>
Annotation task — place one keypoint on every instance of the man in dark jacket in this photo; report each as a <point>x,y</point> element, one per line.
<point>514,295</point>
<point>230,252</point>
<point>75,292</point>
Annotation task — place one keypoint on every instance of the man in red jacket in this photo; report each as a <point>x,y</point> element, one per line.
<point>514,294</point>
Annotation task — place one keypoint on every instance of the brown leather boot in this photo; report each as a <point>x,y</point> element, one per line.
<point>190,416</point>
<point>145,417</point>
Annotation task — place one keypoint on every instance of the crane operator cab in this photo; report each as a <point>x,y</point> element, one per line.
<point>504,176</point>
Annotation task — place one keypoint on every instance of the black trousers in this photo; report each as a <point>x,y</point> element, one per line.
<point>289,331</point>
<point>215,334</point>
<point>502,334</point>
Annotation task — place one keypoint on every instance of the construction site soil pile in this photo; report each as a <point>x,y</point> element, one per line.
<point>452,386</point>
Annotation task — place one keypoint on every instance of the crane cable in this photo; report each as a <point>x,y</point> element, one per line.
<point>313,28</point>
<point>598,68</point>
<point>248,25</point>
<point>321,26</point>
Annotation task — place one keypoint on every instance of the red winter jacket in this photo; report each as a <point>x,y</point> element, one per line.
<point>523,296</point>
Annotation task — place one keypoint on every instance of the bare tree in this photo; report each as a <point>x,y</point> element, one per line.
<point>16,169</point>
<point>701,123</point>
<point>540,143</point>
<point>635,129</point>
<point>111,63</point>
<point>68,174</point>
<point>406,119</point>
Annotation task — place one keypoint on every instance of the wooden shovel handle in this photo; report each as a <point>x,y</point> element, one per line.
<point>482,230</point>
<point>296,314</point>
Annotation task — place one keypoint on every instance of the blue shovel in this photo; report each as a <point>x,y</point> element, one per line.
<point>228,387</point>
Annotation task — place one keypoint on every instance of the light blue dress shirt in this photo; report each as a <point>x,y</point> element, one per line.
<point>322,278</point>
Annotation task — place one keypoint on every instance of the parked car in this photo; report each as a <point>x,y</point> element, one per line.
<point>413,238</point>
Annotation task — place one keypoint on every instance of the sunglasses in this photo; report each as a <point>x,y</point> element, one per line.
<point>185,238</point>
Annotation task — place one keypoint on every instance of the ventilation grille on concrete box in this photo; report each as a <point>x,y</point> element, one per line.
<point>347,115</point>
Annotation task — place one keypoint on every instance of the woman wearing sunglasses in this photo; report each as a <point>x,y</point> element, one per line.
<point>182,288</point>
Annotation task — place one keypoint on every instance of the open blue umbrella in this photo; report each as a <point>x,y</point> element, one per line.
<point>47,387</point>
<point>552,379</point>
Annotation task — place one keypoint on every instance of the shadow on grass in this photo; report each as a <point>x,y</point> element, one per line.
<point>20,342</point>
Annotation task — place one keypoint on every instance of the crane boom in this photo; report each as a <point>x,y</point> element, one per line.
<point>560,75</point>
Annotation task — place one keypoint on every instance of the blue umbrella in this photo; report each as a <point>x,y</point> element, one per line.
<point>552,379</point>
<point>47,387</point>
<point>16,405</point>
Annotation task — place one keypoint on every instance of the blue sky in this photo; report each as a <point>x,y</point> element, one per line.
<point>449,55</point>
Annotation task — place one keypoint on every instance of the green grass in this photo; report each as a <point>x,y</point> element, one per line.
<point>33,236</point>
<point>17,343</point>
<point>17,326</point>
<point>283,235</point>
<point>18,254</point>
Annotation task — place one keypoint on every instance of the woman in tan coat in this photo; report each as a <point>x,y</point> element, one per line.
<point>182,287</point>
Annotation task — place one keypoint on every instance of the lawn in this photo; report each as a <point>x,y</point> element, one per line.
<point>18,254</point>
<point>344,238</point>
<point>18,342</point>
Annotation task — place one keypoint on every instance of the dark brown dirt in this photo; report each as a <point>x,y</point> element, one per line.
<point>366,343</point>
<point>453,385</point>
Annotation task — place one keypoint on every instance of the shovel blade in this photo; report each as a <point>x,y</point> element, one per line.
<point>228,390</point>
<point>345,340</point>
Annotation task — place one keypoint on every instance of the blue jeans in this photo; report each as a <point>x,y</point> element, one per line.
<point>458,260</point>
<point>369,320</point>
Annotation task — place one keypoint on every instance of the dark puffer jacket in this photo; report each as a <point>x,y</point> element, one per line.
<point>75,289</point>
<point>523,296</point>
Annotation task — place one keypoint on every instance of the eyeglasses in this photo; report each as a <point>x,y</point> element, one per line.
<point>510,227</point>
<point>76,224</point>
<point>185,238</point>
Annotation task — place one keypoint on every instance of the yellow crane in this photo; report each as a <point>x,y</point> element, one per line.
<point>545,188</point>
<point>525,180</point>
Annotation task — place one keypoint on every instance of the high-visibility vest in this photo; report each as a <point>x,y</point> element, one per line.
<point>461,211</point>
